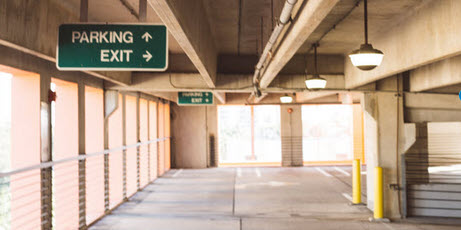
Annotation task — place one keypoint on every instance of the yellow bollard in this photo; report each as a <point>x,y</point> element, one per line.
<point>356,182</point>
<point>378,210</point>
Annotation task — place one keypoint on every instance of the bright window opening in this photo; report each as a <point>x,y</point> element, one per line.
<point>249,135</point>
<point>328,135</point>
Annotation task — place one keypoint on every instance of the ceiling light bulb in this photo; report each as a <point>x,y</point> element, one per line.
<point>286,99</point>
<point>366,58</point>
<point>316,82</point>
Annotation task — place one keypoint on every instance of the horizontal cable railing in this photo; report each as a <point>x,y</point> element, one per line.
<point>23,191</point>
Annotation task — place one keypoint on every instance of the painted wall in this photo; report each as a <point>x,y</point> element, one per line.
<point>191,128</point>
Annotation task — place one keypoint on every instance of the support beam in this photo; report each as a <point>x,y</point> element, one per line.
<point>404,48</point>
<point>439,74</point>
<point>221,96</point>
<point>310,16</point>
<point>432,108</point>
<point>432,101</point>
<point>257,100</point>
<point>237,83</point>
<point>187,21</point>
<point>308,96</point>
<point>171,96</point>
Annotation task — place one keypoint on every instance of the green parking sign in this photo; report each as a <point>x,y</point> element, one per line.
<point>195,98</point>
<point>112,47</point>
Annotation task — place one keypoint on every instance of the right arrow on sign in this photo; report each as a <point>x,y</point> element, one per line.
<point>146,36</point>
<point>147,56</point>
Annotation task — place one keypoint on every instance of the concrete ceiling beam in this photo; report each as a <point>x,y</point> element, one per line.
<point>221,96</point>
<point>188,23</point>
<point>405,47</point>
<point>235,83</point>
<point>310,16</point>
<point>432,101</point>
<point>439,74</point>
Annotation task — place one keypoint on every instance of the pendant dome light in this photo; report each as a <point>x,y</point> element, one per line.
<point>367,57</point>
<point>316,82</point>
<point>286,99</point>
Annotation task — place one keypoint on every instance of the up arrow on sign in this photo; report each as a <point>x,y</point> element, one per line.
<point>146,36</point>
<point>112,47</point>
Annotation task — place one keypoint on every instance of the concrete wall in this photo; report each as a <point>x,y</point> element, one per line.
<point>292,135</point>
<point>191,129</point>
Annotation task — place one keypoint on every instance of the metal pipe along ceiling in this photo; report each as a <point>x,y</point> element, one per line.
<point>285,17</point>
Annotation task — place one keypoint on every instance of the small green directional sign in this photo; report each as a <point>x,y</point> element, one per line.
<point>195,98</point>
<point>112,47</point>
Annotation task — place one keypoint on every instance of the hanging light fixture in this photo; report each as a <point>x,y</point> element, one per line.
<point>367,57</point>
<point>286,99</point>
<point>316,82</point>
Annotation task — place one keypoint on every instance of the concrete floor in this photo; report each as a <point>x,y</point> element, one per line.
<point>247,199</point>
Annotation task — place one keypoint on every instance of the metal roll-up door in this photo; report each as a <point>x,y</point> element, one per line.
<point>433,172</point>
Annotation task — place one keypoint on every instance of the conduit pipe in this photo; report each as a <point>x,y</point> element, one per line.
<point>285,17</point>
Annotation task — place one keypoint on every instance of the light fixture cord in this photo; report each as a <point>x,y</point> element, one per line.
<point>315,58</point>
<point>365,20</point>
<point>305,65</point>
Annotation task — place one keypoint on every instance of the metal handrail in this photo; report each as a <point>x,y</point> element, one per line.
<point>79,157</point>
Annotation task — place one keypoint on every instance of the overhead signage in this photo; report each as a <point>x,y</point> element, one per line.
<point>112,47</point>
<point>195,98</point>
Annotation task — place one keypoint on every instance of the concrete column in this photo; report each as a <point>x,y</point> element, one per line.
<point>149,166</point>
<point>81,151</point>
<point>124,144</point>
<point>138,149</point>
<point>292,135</point>
<point>110,105</point>
<point>45,140</point>
<point>383,140</point>
<point>211,136</point>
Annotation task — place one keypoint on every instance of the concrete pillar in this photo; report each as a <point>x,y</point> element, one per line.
<point>292,135</point>
<point>81,151</point>
<point>124,144</point>
<point>149,160</point>
<point>110,105</point>
<point>45,151</point>
<point>211,136</point>
<point>138,149</point>
<point>383,142</point>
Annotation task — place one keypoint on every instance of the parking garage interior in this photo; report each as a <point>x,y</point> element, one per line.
<point>262,114</point>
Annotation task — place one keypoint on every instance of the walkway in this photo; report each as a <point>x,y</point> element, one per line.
<point>248,199</point>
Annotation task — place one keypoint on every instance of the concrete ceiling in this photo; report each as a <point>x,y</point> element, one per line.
<point>244,26</point>
<point>349,33</point>
<point>257,19</point>
<point>118,11</point>
<point>241,28</point>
